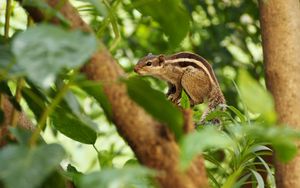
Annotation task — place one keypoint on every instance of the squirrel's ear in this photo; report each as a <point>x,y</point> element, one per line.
<point>161,59</point>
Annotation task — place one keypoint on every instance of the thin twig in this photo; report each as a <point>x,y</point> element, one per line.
<point>7,19</point>
<point>42,122</point>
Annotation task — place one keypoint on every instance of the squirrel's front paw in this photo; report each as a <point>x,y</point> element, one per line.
<point>174,99</point>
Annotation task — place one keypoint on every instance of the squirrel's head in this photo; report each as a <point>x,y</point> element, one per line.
<point>150,64</point>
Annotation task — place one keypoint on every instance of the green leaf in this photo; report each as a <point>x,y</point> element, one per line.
<point>156,104</point>
<point>283,139</point>
<point>27,168</point>
<point>105,159</point>
<point>270,174</point>
<point>34,101</point>
<point>170,14</point>
<point>131,162</point>
<point>121,178</point>
<point>237,113</point>
<point>185,101</point>
<point>218,114</point>
<point>238,182</point>
<point>232,179</point>
<point>55,179</point>
<point>256,98</point>
<point>72,127</point>
<point>95,90</point>
<point>44,50</point>
<point>258,178</point>
<point>74,107</point>
<point>73,174</point>
<point>195,143</point>
<point>285,151</point>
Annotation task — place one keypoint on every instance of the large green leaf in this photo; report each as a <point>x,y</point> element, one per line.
<point>155,103</point>
<point>195,143</point>
<point>73,127</point>
<point>256,98</point>
<point>132,176</point>
<point>72,104</point>
<point>96,90</point>
<point>27,168</point>
<point>42,51</point>
<point>170,14</point>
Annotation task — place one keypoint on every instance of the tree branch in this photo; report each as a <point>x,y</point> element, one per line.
<point>8,109</point>
<point>153,144</point>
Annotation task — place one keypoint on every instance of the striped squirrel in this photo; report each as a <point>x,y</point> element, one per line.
<point>187,71</point>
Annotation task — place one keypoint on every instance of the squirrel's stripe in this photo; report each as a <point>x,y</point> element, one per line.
<point>198,63</point>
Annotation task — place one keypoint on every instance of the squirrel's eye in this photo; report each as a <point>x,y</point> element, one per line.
<point>149,63</point>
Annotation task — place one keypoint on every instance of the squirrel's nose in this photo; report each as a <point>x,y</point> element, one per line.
<point>136,69</point>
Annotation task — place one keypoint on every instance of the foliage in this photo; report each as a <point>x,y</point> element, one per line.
<point>61,101</point>
<point>19,164</point>
<point>156,104</point>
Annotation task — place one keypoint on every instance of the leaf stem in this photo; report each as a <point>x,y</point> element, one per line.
<point>46,113</point>
<point>7,19</point>
<point>98,155</point>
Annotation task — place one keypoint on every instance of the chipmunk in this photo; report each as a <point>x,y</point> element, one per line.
<point>187,71</point>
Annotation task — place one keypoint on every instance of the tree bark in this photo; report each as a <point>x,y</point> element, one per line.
<point>280,23</point>
<point>22,121</point>
<point>153,144</point>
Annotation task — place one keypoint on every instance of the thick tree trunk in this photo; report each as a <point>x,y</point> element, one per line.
<point>152,142</point>
<point>280,22</point>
